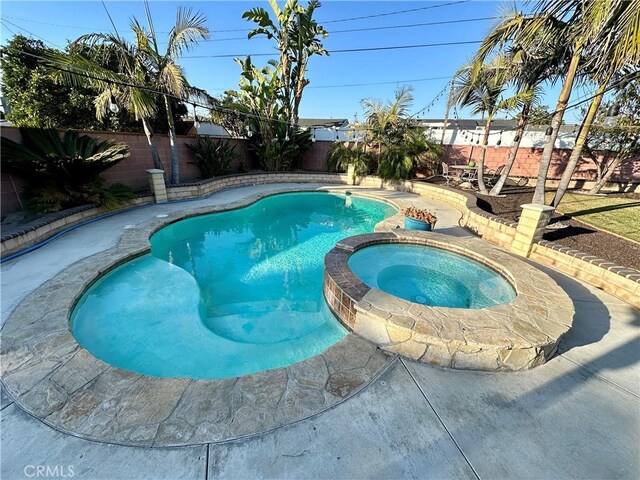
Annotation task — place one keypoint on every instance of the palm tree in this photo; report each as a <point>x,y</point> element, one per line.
<point>127,87</point>
<point>481,87</point>
<point>169,76</point>
<point>581,138</point>
<point>530,67</point>
<point>606,57</point>
<point>589,25</point>
<point>382,117</point>
<point>143,71</point>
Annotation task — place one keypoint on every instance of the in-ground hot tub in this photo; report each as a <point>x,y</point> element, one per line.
<point>447,301</point>
<point>431,276</point>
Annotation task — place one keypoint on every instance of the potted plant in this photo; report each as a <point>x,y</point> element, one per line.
<point>416,219</point>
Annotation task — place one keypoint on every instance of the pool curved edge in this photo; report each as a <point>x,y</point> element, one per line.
<point>519,335</point>
<point>54,379</point>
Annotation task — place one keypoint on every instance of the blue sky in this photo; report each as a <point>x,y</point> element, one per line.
<point>327,95</point>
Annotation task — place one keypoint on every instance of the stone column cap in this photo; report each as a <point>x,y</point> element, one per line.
<point>155,170</point>
<point>536,207</point>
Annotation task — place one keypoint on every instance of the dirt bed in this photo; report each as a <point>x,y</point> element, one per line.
<point>575,234</point>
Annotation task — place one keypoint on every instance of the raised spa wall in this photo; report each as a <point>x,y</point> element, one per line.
<point>515,336</point>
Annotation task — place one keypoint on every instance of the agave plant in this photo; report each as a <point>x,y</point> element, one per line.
<point>63,173</point>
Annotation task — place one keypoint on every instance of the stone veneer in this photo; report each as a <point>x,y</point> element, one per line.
<point>53,378</point>
<point>515,336</point>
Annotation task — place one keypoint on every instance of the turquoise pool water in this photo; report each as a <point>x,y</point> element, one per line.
<point>225,294</point>
<point>431,276</point>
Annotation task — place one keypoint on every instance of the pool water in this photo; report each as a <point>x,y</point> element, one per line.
<point>431,276</point>
<point>225,294</point>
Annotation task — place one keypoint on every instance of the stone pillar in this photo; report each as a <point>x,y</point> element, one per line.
<point>530,227</point>
<point>156,182</point>
<point>351,174</point>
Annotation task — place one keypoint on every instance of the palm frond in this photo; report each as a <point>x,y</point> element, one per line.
<point>189,29</point>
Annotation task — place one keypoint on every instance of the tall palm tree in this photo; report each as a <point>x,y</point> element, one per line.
<point>169,76</point>
<point>142,71</point>
<point>587,24</point>
<point>127,86</point>
<point>530,67</point>
<point>481,87</point>
<point>617,47</point>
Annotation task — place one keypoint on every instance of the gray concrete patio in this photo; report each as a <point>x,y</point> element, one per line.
<point>577,416</point>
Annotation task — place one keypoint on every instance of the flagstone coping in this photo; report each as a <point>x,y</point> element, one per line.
<point>514,336</point>
<point>50,376</point>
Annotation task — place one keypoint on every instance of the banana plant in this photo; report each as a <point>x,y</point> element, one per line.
<point>298,37</point>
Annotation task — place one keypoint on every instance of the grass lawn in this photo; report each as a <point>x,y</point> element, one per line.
<point>612,214</point>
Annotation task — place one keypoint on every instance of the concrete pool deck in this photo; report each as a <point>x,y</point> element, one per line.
<point>577,416</point>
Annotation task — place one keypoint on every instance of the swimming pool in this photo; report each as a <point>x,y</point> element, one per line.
<point>225,294</point>
<point>431,276</point>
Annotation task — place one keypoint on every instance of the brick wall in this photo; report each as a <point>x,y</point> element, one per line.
<point>315,159</point>
<point>528,159</point>
<point>132,171</point>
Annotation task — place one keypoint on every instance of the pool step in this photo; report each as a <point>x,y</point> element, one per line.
<point>267,322</point>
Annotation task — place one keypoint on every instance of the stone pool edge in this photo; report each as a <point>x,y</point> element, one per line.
<point>516,336</point>
<point>51,377</point>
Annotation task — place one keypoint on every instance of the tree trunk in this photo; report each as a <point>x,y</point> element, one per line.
<point>485,139</point>
<point>446,115</point>
<point>513,153</point>
<point>605,178</point>
<point>285,65</point>
<point>299,88</point>
<point>148,131</point>
<point>581,139</point>
<point>175,163</point>
<point>556,121</point>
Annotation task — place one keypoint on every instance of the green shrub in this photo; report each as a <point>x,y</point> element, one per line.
<point>64,173</point>
<point>284,150</point>
<point>212,157</point>
<point>341,156</point>
<point>395,164</point>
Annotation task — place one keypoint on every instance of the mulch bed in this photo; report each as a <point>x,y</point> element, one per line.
<point>577,235</point>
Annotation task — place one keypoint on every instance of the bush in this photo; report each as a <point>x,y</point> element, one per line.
<point>395,164</point>
<point>212,157</point>
<point>64,173</point>
<point>284,150</point>
<point>341,156</point>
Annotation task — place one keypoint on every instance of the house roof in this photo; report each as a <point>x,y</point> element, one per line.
<point>496,124</point>
<point>323,122</point>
